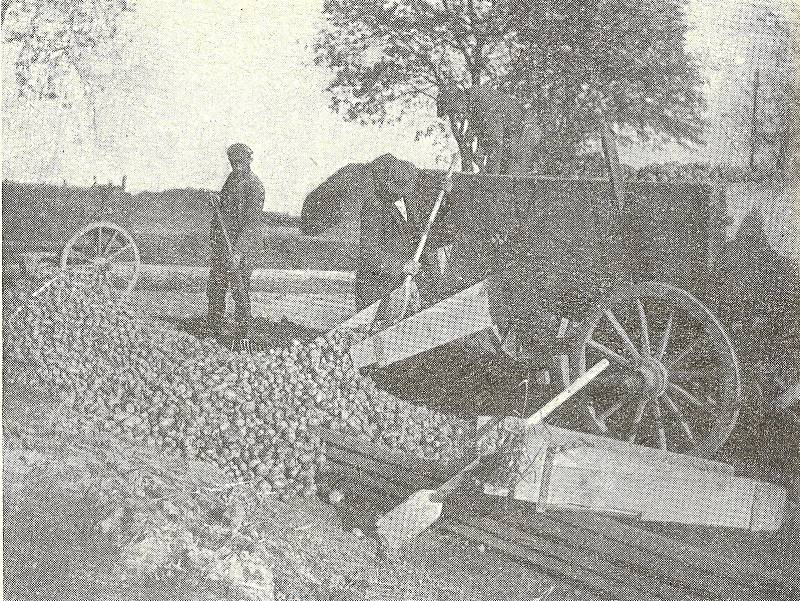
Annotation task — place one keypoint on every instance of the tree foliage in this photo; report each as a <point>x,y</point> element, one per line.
<point>567,59</point>
<point>57,41</point>
<point>777,128</point>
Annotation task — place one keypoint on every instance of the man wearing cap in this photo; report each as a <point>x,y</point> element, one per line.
<point>391,226</point>
<point>241,204</point>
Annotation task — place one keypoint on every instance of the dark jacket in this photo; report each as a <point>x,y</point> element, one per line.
<point>388,241</point>
<point>242,208</point>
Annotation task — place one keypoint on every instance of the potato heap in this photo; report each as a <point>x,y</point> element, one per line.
<point>251,414</point>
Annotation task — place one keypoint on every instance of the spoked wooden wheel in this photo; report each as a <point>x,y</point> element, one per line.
<point>674,380</point>
<point>104,252</point>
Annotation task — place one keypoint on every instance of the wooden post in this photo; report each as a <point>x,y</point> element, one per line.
<point>612,162</point>
<point>754,124</point>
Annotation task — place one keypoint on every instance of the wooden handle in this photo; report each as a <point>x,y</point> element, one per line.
<point>424,239</point>
<point>567,393</point>
<point>228,245</point>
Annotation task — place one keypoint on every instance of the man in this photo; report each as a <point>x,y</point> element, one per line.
<point>241,204</point>
<point>391,227</point>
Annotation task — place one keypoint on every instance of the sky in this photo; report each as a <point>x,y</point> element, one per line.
<point>191,77</point>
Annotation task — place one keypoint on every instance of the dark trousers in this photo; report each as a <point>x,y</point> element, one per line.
<point>219,281</point>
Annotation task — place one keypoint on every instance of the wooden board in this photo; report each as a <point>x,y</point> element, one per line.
<point>461,315</point>
<point>587,478</point>
<point>597,552</point>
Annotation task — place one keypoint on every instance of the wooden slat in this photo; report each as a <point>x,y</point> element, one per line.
<point>738,570</point>
<point>658,566</point>
<point>601,481</point>
<point>420,468</point>
<point>559,567</point>
<point>394,473</point>
<point>460,315</point>
<point>578,556</point>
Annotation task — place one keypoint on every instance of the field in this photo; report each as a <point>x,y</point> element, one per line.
<point>152,523</point>
<point>170,227</point>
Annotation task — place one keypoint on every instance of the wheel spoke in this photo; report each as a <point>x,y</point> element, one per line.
<point>683,354</point>
<point>681,420</point>
<point>604,350</point>
<point>689,397</point>
<point>110,242</point>
<point>703,375</point>
<point>659,419</point>
<point>665,337</point>
<point>637,420</point>
<point>610,411</point>
<point>118,252</point>
<point>643,325</point>
<point>79,254</point>
<point>623,334</point>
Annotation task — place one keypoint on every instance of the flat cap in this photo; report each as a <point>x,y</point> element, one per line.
<point>239,149</point>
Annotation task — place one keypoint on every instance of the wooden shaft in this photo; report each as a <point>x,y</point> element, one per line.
<point>568,392</point>
<point>424,239</point>
<point>228,245</point>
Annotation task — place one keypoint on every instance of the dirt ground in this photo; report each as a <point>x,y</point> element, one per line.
<point>56,547</point>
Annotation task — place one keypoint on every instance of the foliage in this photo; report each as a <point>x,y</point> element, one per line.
<point>57,42</point>
<point>625,58</point>
<point>566,58</point>
<point>777,127</point>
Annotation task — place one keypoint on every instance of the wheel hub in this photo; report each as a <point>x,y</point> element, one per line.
<point>653,375</point>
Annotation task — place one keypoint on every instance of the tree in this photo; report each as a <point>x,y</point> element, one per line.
<point>776,127</point>
<point>57,41</point>
<point>563,58</point>
<point>625,59</point>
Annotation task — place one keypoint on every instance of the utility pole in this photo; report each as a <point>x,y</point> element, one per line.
<point>754,124</point>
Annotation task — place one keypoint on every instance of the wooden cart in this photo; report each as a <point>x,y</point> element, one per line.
<point>555,273</point>
<point>50,228</point>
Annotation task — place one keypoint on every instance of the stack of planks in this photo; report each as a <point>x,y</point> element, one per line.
<point>614,557</point>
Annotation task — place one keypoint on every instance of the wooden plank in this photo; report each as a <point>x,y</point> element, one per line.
<point>743,572</point>
<point>384,456</point>
<point>588,559</point>
<point>656,565</point>
<point>560,567</point>
<point>596,480</point>
<point>458,316</point>
<point>393,473</point>
<point>664,557</point>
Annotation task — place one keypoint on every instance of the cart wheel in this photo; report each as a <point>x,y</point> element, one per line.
<point>103,251</point>
<point>674,381</point>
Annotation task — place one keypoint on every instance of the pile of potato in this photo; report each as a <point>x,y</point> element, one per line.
<point>254,415</point>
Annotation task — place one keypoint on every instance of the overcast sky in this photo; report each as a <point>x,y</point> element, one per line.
<point>195,76</point>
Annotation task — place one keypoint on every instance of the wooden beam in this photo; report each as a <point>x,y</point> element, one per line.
<point>554,566</point>
<point>458,316</point>
<point>602,481</point>
<point>660,567</point>
<point>421,469</point>
<point>662,557</point>
<point>746,573</point>
<point>587,559</point>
